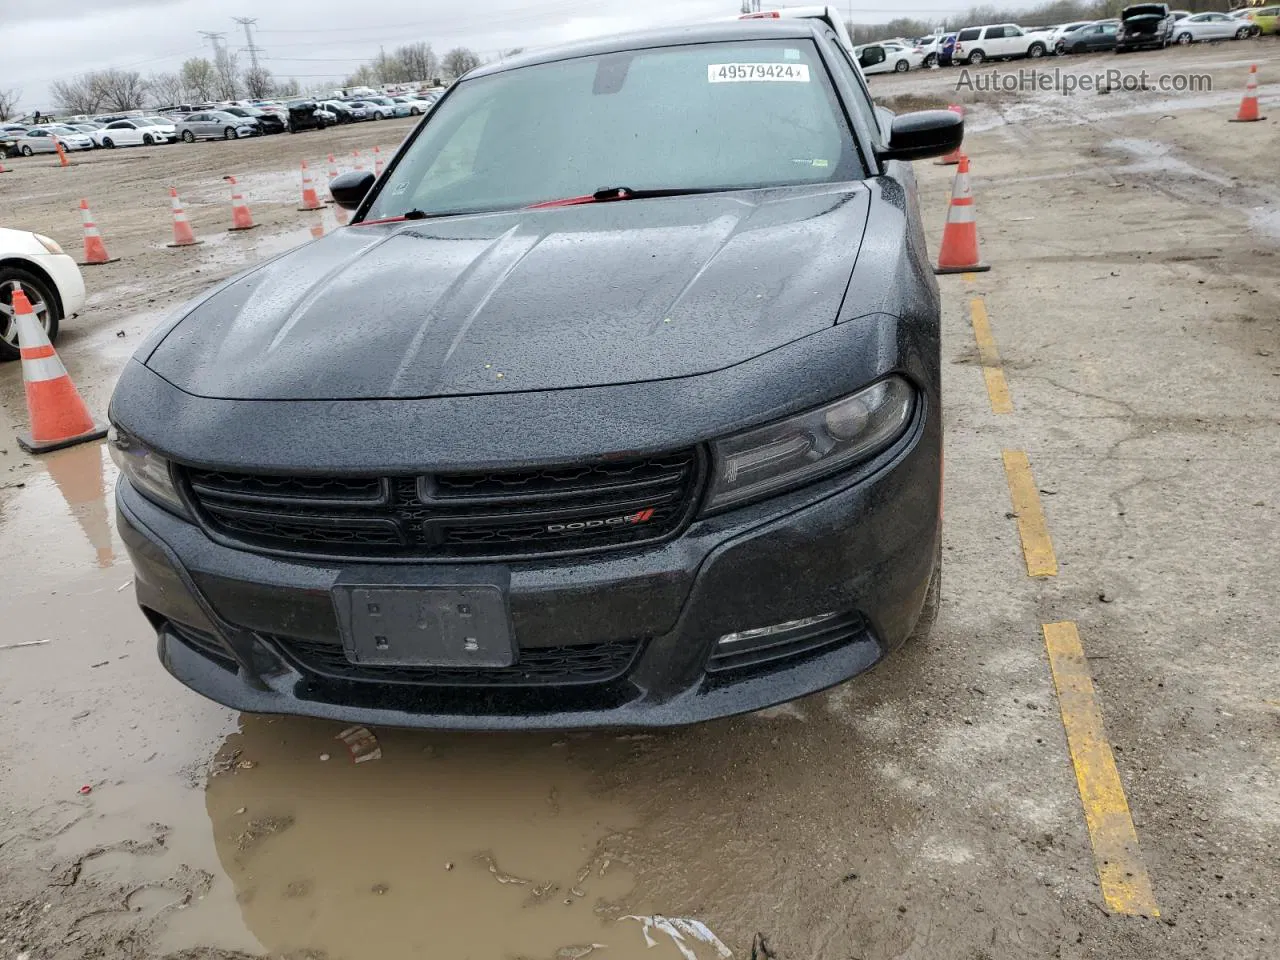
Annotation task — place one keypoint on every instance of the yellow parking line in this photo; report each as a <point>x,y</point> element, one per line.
<point>1125,884</point>
<point>1037,548</point>
<point>989,354</point>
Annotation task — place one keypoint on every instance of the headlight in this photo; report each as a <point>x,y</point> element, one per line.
<point>48,243</point>
<point>803,448</point>
<point>149,472</point>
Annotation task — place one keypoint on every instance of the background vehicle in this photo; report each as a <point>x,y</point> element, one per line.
<point>1144,25</point>
<point>216,125</point>
<point>929,47</point>
<point>947,50</point>
<point>380,108</point>
<point>1265,20</point>
<point>138,131</point>
<point>914,52</point>
<point>306,115</point>
<point>268,122</point>
<point>9,141</point>
<point>1210,26</point>
<point>407,106</point>
<point>1001,41</point>
<point>371,110</point>
<point>1090,38</point>
<point>51,280</point>
<point>1056,35</point>
<point>43,139</point>
<point>342,112</point>
<point>882,58</point>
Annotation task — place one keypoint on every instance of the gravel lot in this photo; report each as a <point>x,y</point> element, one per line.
<point>928,811</point>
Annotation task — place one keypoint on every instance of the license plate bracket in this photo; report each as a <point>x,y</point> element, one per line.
<point>417,625</point>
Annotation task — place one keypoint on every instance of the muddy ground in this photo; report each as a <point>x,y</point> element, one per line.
<point>927,811</point>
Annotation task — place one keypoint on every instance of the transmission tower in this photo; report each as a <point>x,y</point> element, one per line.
<point>247,23</point>
<point>215,38</point>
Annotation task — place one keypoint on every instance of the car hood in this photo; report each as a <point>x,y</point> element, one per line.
<point>526,300</point>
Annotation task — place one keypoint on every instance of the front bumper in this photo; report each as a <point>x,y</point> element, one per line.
<point>231,622</point>
<point>67,278</point>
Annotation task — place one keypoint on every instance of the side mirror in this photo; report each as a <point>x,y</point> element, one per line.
<point>915,136</point>
<point>348,189</point>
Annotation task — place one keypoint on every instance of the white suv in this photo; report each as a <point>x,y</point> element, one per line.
<point>1001,41</point>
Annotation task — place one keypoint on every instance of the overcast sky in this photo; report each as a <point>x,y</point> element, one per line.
<point>319,39</point>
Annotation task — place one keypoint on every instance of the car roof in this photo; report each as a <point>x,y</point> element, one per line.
<point>783,28</point>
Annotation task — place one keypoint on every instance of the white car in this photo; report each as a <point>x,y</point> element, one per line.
<point>999,41</point>
<point>135,132</point>
<point>1210,26</point>
<point>914,52</point>
<point>882,58</point>
<point>51,280</point>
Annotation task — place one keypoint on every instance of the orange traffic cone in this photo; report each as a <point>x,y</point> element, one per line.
<point>953,157</point>
<point>95,251</point>
<point>1249,103</point>
<point>333,167</point>
<point>183,235</point>
<point>62,154</point>
<point>4,169</point>
<point>377,161</point>
<point>241,218</point>
<point>317,231</point>
<point>79,478</point>
<point>959,253</point>
<point>309,199</point>
<point>359,164</point>
<point>59,417</point>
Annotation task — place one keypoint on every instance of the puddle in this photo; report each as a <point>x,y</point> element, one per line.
<point>61,514</point>
<point>489,847</point>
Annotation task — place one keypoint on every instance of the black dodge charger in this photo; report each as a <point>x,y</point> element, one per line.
<point>617,404</point>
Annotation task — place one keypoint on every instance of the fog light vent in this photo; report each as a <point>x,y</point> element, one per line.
<point>783,641</point>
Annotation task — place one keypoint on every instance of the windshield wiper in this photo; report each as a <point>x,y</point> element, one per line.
<point>611,194</point>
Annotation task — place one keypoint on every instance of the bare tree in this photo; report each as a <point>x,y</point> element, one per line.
<point>419,61</point>
<point>166,89</point>
<point>199,78</point>
<point>121,89</point>
<point>364,77</point>
<point>258,82</point>
<point>9,103</point>
<point>286,88</point>
<point>458,61</point>
<point>226,68</point>
<point>77,95</point>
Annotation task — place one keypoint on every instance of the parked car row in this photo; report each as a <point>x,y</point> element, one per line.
<point>1140,26</point>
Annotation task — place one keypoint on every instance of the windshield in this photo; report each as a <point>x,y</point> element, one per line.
<point>720,116</point>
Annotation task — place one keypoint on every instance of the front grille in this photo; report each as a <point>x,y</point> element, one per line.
<point>537,667</point>
<point>490,515</point>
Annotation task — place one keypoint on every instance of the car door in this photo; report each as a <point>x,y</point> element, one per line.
<point>873,59</point>
<point>1105,38</point>
<point>39,141</point>
<point>204,124</point>
<point>1014,43</point>
<point>993,42</point>
<point>129,133</point>
<point>1223,27</point>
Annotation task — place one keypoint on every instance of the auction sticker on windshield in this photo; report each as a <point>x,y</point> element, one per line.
<point>758,73</point>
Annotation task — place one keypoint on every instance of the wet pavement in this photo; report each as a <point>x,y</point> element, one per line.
<point>929,810</point>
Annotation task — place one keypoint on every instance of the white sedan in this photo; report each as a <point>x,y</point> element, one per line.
<point>51,280</point>
<point>883,58</point>
<point>136,131</point>
<point>1209,26</point>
